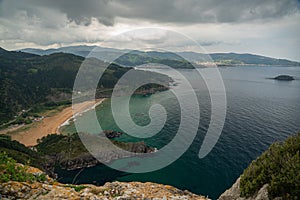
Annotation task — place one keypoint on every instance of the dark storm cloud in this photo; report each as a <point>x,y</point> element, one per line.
<point>268,27</point>
<point>173,11</point>
<point>82,11</point>
<point>218,11</point>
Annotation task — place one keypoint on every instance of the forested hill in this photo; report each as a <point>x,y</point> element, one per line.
<point>133,58</point>
<point>28,79</point>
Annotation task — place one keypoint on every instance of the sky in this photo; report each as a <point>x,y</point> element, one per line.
<point>269,27</point>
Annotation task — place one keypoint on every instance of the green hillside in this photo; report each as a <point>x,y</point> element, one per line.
<point>278,167</point>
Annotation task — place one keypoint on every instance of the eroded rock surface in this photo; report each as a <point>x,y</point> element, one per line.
<point>233,193</point>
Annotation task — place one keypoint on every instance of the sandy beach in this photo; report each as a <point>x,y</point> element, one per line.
<point>51,124</point>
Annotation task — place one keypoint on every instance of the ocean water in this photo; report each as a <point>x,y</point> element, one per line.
<point>260,111</point>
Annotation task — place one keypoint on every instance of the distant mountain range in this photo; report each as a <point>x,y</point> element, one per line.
<point>176,59</point>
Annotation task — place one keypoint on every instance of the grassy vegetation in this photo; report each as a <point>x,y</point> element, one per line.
<point>11,171</point>
<point>20,128</point>
<point>77,188</point>
<point>20,152</point>
<point>279,167</point>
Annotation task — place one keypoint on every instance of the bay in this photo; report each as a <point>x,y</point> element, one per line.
<point>260,111</point>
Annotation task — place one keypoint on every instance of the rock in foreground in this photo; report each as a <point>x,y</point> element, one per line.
<point>233,193</point>
<point>114,190</point>
<point>18,181</point>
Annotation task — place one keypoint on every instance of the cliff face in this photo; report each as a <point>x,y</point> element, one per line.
<point>233,193</point>
<point>273,175</point>
<point>50,189</point>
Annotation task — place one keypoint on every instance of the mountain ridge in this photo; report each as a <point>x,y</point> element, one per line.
<point>231,58</point>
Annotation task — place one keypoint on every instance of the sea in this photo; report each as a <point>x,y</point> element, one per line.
<point>260,111</point>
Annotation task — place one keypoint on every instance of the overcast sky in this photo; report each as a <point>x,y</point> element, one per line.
<point>268,27</point>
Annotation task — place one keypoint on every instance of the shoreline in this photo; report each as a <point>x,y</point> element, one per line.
<point>52,124</point>
<point>79,112</point>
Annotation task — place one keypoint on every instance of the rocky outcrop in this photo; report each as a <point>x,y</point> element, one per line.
<point>284,78</point>
<point>110,134</point>
<point>233,193</point>
<point>68,152</point>
<point>114,190</point>
<point>50,189</point>
<point>82,161</point>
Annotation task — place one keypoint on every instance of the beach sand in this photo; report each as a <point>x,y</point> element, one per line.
<point>51,124</point>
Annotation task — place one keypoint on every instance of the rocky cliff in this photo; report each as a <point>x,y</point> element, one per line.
<point>273,175</point>
<point>233,193</point>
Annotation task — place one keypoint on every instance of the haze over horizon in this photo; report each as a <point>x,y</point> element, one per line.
<point>268,28</point>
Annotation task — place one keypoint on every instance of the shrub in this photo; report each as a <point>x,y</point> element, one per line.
<point>279,167</point>
<point>12,171</point>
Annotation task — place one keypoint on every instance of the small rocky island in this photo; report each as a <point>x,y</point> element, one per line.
<point>284,78</point>
<point>110,134</point>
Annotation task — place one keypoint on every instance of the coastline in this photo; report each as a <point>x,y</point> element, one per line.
<point>52,124</point>
<point>78,111</point>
